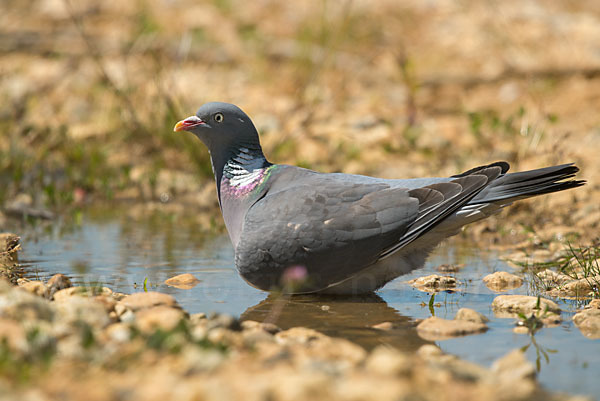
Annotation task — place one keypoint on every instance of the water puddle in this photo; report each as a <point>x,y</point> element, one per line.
<point>123,253</point>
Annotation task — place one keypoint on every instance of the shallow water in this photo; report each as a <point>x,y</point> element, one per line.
<point>121,252</point>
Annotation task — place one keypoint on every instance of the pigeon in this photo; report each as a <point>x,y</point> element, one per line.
<point>300,231</point>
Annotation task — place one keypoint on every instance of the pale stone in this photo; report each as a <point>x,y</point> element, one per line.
<point>141,300</point>
<point>594,304</point>
<point>521,330</point>
<point>18,304</point>
<point>254,325</point>
<point>429,350</point>
<point>513,367</point>
<point>118,332</point>
<point>300,335</point>
<point>386,360</point>
<point>434,282</point>
<point>158,317</point>
<point>502,281</point>
<point>13,333</point>
<point>582,287</point>
<point>470,315</point>
<point>588,322</point>
<point>82,309</point>
<point>435,328</point>
<point>184,281</point>
<point>35,287</point>
<point>512,305</point>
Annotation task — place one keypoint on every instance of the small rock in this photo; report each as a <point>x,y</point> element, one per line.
<point>385,326</point>
<point>470,315</point>
<point>13,333</point>
<point>513,367</point>
<point>107,302</point>
<point>551,319</point>
<point>195,318</point>
<point>429,350</point>
<point>299,335</point>
<point>512,305</point>
<point>579,288</point>
<point>65,293</point>
<point>434,282</point>
<point>521,330</point>
<point>502,281</point>
<point>158,317</point>
<point>82,309</point>
<point>254,336</point>
<point>552,277</point>
<point>141,300</point>
<point>386,360</point>
<point>118,332</point>
<point>21,305</point>
<point>184,281</point>
<point>435,328</point>
<point>594,304</point>
<point>35,287</point>
<point>254,325</point>
<point>56,283</point>
<point>588,322</point>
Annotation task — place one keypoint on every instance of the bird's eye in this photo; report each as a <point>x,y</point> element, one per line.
<point>219,117</point>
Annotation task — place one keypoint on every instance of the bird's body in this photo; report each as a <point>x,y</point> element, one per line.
<point>348,233</point>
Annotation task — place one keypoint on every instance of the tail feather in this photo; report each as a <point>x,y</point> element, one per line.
<point>525,184</point>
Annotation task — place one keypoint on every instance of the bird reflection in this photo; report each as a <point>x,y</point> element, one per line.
<point>351,318</point>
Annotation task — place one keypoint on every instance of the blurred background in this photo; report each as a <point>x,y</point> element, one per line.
<point>90,91</point>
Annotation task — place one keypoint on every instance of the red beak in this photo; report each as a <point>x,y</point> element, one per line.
<point>190,122</point>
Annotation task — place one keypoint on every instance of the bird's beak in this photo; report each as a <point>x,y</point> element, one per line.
<point>190,122</point>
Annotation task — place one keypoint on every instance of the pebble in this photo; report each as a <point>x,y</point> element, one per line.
<point>184,281</point>
<point>119,332</point>
<point>511,305</point>
<point>471,315</point>
<point>521,330</point>
<point>588,322</point>
<point>141,300</point>
<point>254,325</point>
<point>577,288</point>
<point>82,309</point>
<point>514,367</point>
<point>35,287</point>
<point>386,360</point>
<point>158,317</point>
<point>594,304</point>
<point>429,350</point>
<point>18,304</point>
<point>435,328</point>
<point>434,282</point>
<point>300,335</point>
<point>502,281</point>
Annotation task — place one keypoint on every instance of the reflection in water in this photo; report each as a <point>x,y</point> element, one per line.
<point>346,317</point>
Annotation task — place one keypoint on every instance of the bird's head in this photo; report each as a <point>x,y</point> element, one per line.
<point>220,126</point>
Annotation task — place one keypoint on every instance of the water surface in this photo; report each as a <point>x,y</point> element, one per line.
<point>122,252</point>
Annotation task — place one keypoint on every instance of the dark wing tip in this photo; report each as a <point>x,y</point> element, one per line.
<point>504,167</point>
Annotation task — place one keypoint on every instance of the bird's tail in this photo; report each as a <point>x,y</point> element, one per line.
<point>512,187</point>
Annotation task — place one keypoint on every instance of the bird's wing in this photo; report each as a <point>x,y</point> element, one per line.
<point>335,228</point>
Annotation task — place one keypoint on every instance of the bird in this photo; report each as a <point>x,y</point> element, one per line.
<point>300,231</point>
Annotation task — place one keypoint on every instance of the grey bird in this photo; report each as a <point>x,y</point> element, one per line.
<point>342,233</point>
